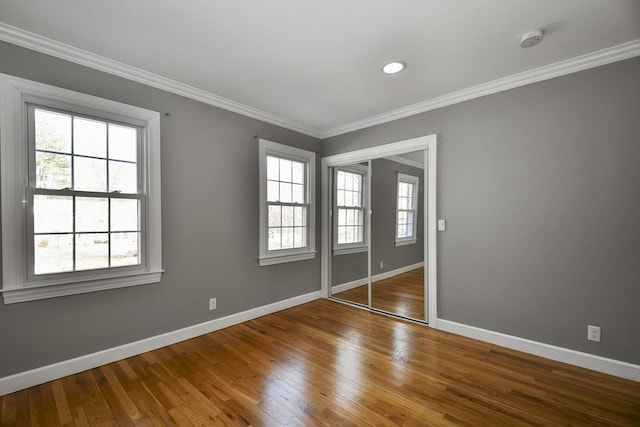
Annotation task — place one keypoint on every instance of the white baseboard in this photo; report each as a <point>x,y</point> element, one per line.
<point>391,273</point>
<point>48,373</point>
<point>376,278</point>
<point>560,354</point>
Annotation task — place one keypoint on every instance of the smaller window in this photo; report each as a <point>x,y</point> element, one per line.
<point>349,207</point>
<point>407,209</point>
<point>287,213</point>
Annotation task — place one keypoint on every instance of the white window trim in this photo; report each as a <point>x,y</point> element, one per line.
<point>266,257</point>
<point>410,179</point>
<point>16,287</point>
<point>351,248</point>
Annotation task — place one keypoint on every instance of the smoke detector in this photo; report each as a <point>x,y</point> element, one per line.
<point>531,38</point>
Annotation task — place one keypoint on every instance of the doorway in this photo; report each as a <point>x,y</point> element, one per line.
<point>379,247</point>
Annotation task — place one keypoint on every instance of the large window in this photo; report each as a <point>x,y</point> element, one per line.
<point>85,190</point>
<point>406,209</point>
<point>349,208</point>
<point>287,217</point>
<point>86,173</point>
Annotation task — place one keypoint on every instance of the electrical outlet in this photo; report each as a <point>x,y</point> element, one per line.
<point>212,303</point>
<point>381,265</point>
<point>593,333</point>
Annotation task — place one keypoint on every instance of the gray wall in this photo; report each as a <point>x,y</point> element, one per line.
<point>349,267</point>
<point>540,187</point>
<point>209,225</point>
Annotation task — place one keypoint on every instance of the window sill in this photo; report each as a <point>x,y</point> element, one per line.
<point>347,251</point>
<point>285,258</point>
<point>405,242</point>
<point>33,293</point>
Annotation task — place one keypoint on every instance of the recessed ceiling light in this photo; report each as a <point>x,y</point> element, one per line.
<point>394,67</point>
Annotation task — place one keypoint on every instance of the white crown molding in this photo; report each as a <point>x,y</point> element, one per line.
<point>52,372</point>
<point>573,65</point>
<point>64,51</point>
<point>605,365</point>
<point>405,161</point>
<point>60,50</point>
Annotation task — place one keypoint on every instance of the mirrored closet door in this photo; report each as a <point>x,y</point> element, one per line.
<point>350,233</point>
<point>397,235</point>
<point>376,232</point>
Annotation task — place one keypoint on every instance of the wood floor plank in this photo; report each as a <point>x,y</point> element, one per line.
<point>327,364</point>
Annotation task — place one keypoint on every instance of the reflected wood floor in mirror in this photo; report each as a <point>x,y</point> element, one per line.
<point>402,294</point>
<point>325,363</point>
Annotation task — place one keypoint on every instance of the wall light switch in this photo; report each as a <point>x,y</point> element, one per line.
<point>442,225</point>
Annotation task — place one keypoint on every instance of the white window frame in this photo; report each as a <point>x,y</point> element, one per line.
<point>270,257</point>
<point>415,181</point>
<point>350,248</point>
<point>17,285</point>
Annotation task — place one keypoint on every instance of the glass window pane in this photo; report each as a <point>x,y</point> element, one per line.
<point>92,214</point>
<point>92,251</point>
<point>285,170</point>
<point>273,191</point>
<point>125,249</point>
<point>342,235</point>
<point>275,213</point>
<point>298,193</point>
<point>125,215</point>
<point>273,168</point>
<point>287,216</point>
<point>342,216</point>
<point>348,181</point>
<point>123,142</point>
<point>53,170</point>
<point>53,253</point>
<point>340,180</point>
<point>409,217</point>
<point>402,217</point>
<point>298,216</point>
<point>400,232</point>
<point>287,237</point>
<point>123,177</point>
<point>274,239</point>
<point>285,192</point>
<point>299,237</point>
<point>298,173</point>
<point>53,131</point>
<point>52,214</point>
<point>90,174</point>
<point>89,137</point>
<point>340,198</point>
<point>351,217</point>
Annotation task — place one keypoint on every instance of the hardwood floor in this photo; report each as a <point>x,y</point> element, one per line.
<point>324,363</point>
<point>402,294</point>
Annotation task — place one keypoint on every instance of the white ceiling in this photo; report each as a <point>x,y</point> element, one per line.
<point>316,64</point>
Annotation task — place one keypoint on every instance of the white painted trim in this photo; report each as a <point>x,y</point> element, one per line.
<point>64,51</point>
<point>431,231</point>
<point>405,161</point>
<point>266,148</point>
<point>12,296</point>
<point>428,144</point>
<point>47,373</point>
<point>590,60</point>
<point>397,271</point>
<point>560,354</point>
<point>16,285</point>
<point>376,278</point>
<point>415,181</point>
<point>347,286</point>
